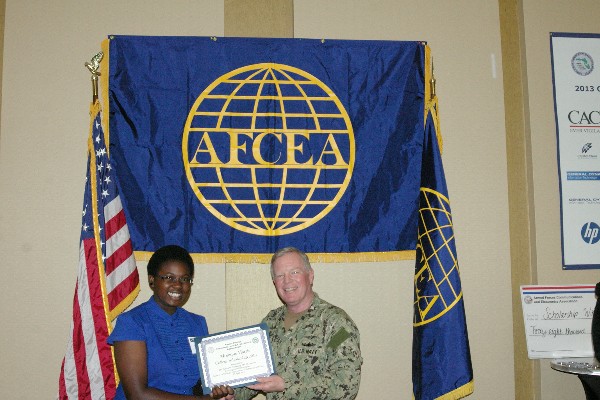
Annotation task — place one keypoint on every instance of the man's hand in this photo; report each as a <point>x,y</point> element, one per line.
<point>273,383</point>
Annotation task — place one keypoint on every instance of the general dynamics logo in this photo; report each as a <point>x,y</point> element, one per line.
<point>268,149</point>
<point>584,200</point>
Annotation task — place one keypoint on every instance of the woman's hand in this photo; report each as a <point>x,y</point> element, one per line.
<point>222,392</point>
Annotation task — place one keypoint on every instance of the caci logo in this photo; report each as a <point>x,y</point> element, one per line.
<point>590,232</point>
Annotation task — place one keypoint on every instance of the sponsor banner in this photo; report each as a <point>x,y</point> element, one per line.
<point>576,80</point>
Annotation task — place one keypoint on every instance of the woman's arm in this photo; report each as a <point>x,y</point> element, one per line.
<point>130,357</point>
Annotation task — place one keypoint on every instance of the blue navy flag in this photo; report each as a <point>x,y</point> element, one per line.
<point>242,146</point>
<point>441,356</point>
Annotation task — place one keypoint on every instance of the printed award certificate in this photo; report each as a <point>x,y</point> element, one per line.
<point>235,358</point>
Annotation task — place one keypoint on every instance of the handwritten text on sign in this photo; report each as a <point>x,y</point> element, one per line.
<point>558,320</point>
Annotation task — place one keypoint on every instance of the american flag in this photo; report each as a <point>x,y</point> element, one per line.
<point>107,280</point>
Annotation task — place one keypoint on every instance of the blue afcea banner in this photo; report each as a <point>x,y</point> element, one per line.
<point>243,146</point>
<point>441,355</point>
<point>238,147</point>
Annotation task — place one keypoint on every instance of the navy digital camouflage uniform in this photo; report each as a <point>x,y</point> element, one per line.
<point>319,357</point>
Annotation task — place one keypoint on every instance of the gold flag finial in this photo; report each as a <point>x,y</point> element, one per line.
<point>93,66</point>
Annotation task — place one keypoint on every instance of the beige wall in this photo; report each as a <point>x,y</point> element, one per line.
<point>542,17</point>
<point>465,43</point>
<point>45,96</point>
<point>46,93</point>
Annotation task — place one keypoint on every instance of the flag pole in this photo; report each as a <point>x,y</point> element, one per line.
<point>432,80</point>
<point>93,66</point>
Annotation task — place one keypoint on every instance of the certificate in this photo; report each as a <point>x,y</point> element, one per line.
<point>235,358</point>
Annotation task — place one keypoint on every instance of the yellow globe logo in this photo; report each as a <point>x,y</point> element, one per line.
<point>268,149</point>
<point>437,280</point>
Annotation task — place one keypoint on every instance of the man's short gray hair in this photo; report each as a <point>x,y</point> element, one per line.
<point>286,250</point>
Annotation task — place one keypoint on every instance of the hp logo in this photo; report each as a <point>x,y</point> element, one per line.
<point>590,232</point>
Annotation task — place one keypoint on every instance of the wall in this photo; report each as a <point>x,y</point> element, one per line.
<point>540,18</point>
<point>45,96</point>
<point>465,42</point>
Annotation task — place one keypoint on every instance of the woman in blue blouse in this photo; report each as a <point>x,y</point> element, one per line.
<point>152,352</point>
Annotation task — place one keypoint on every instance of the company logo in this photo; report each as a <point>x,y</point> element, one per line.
<point>583,175</point>
<point>590,232</point>
<point>433,301</point>
<point>584,200</point>
<point>578,117</point>
<point>586,154</point>
<point>268,149</point>
<point>582,63</point>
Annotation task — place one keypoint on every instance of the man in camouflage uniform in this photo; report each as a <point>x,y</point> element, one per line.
<point>316,345</point>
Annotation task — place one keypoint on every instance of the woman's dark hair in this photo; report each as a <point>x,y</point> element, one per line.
<point>169,253</point>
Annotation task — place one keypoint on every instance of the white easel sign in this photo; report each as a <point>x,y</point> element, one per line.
<point>558,320</point>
